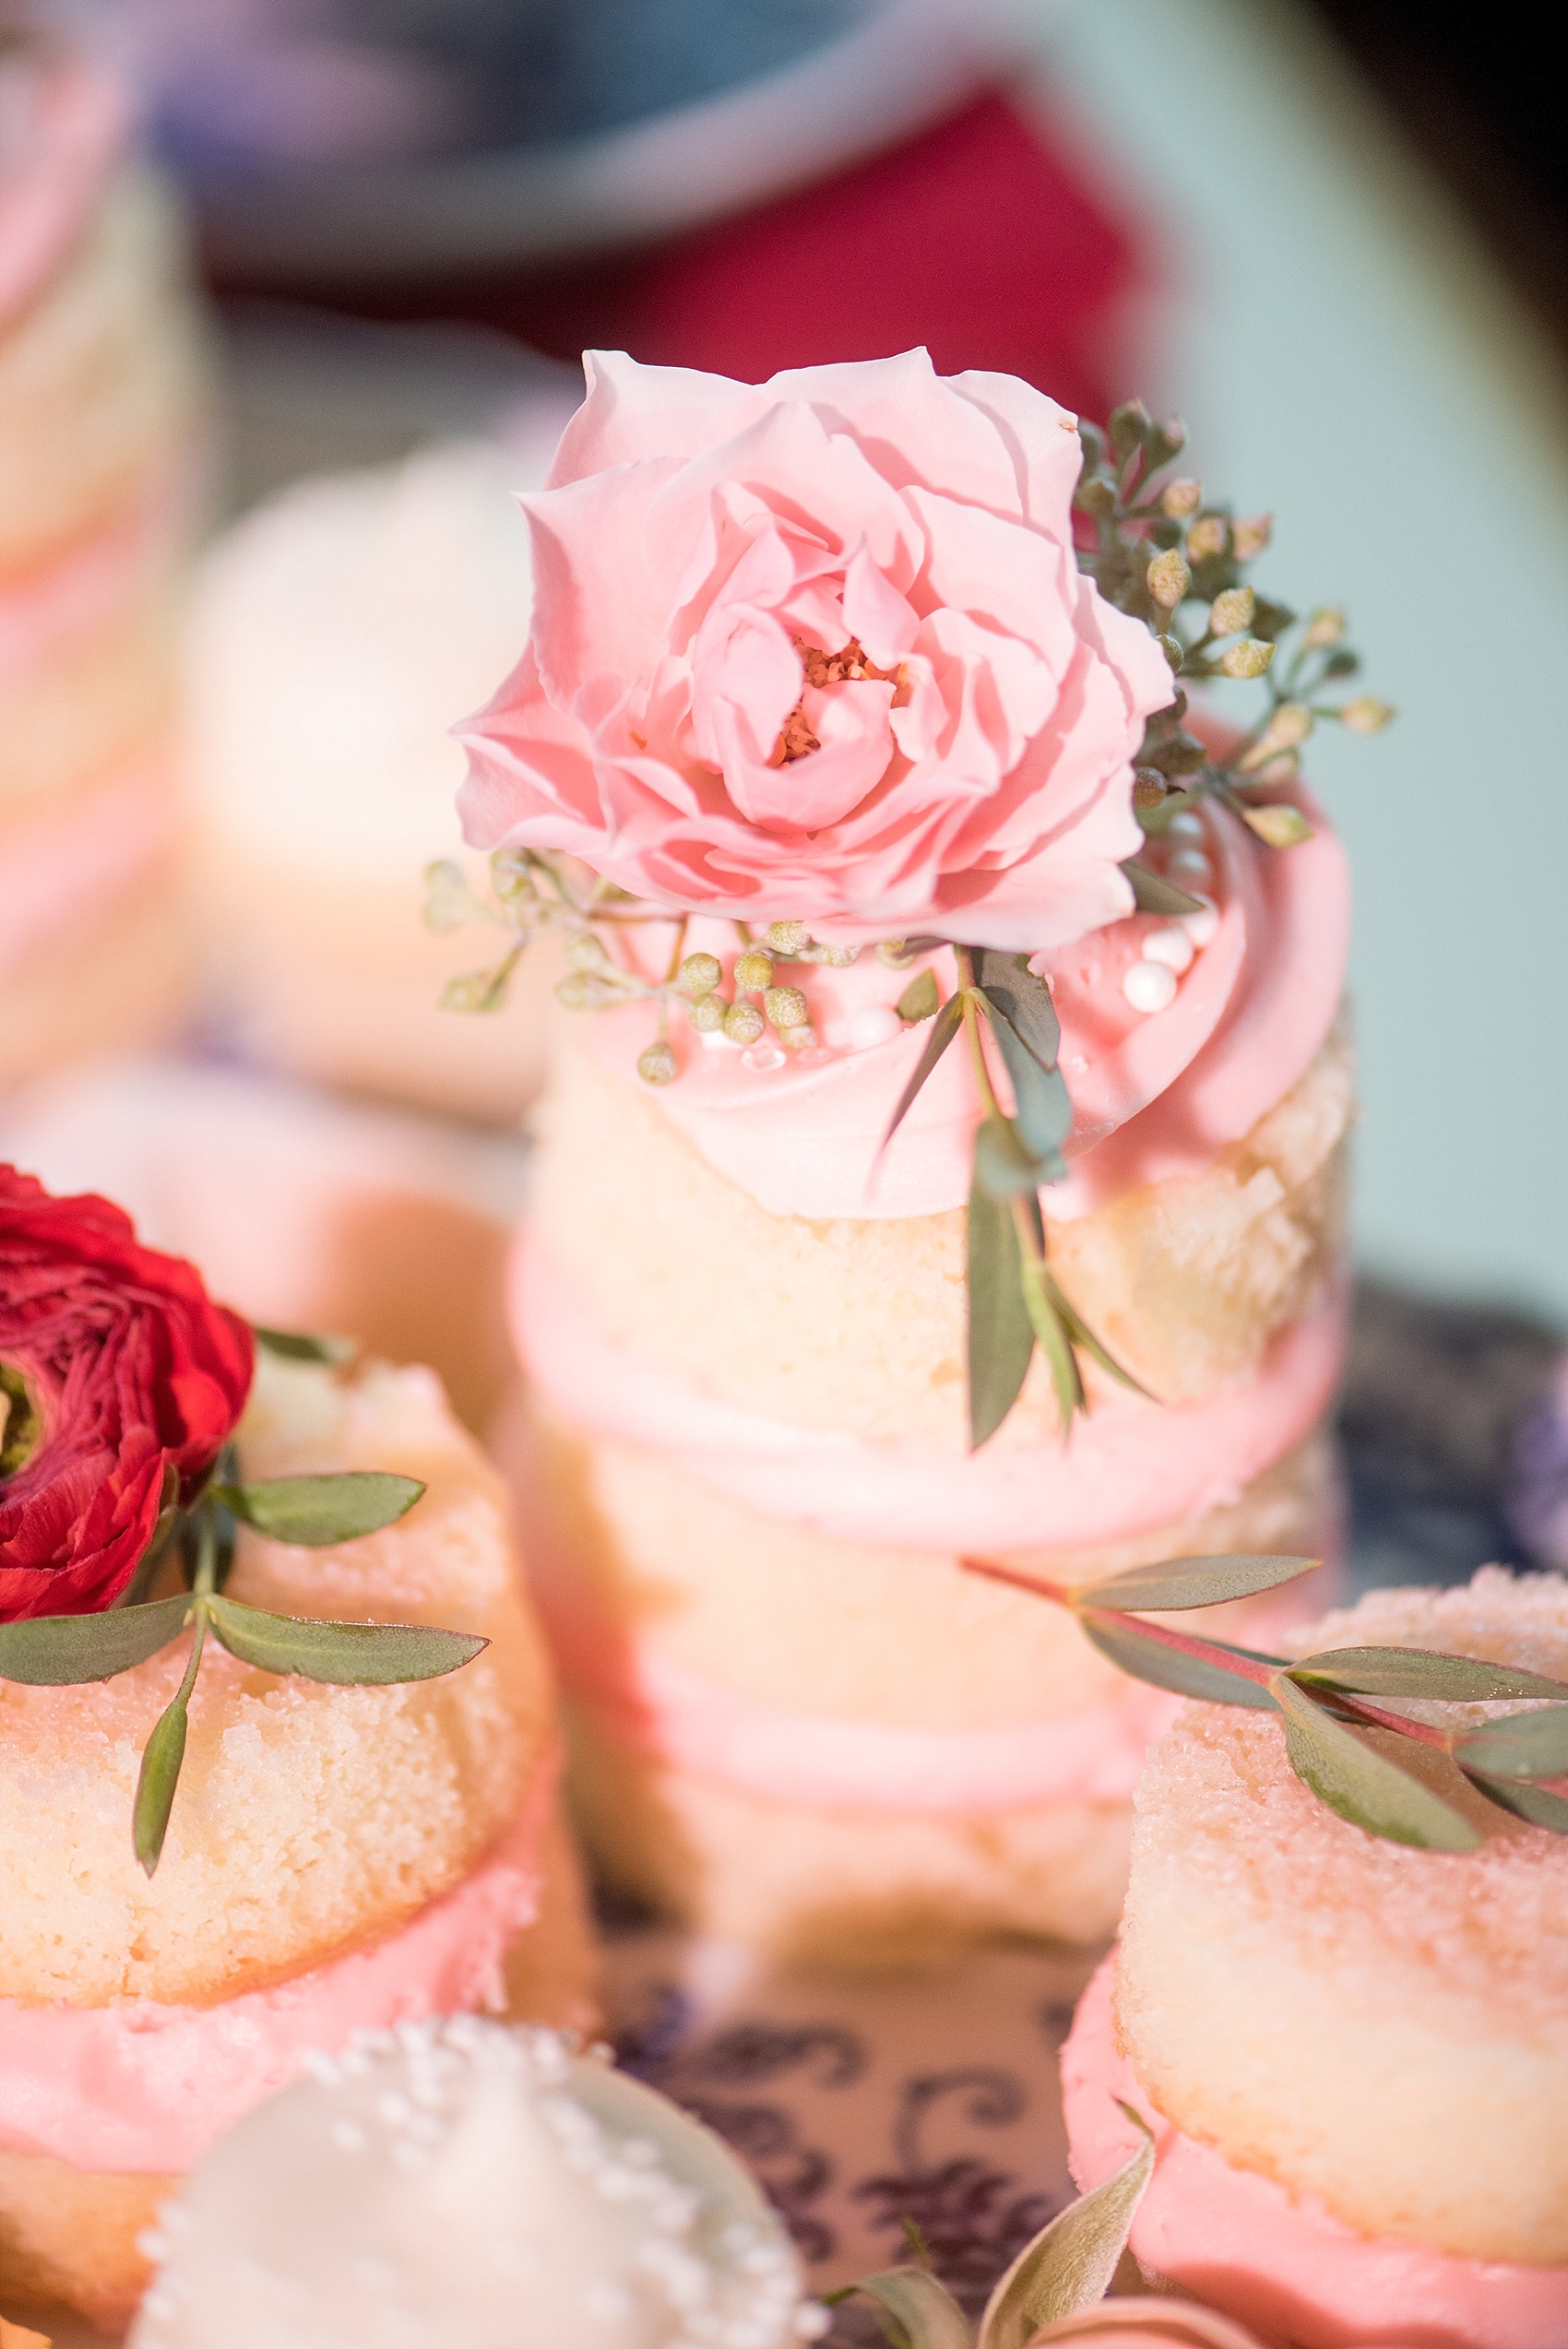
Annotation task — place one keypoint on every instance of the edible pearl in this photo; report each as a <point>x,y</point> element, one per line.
<point>1191,870</point>
<point>1150,987</point>
<point>1172,946</point>
<point>1201,926</point>
<point>874,1024</point>
<point>1186,825</point>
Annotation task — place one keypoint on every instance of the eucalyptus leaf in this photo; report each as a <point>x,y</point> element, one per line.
<point>1005,1165</point>
<point>1052,1337</point>
<point>1537,1805</point>
<point>920,999</point>
<point>1178,1582</point>
<point>1070,2263</point>
<point>1152,894</point>
<point>1042,1104</point>
<point>1081,1336</point>
<point>1147,1658</point>
<point>922,2313</point>
<point>1363,1783</point>
<point>156,1783</point>
<point>64,1651</point>
<point>318,1511</point>
<point>1023,1000</point>
<point>345,1654</point>
<point>1001,1339</point>
<point>449,903</point>
<point>1419,1672</point>
<point>291,1346</point>
<point>944,1029</point>
<point>1521,1745</point>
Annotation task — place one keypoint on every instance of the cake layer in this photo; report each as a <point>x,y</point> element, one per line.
<point>63,866</point>
<point>1378,2029</point>
<point>1129,1464</point>
<point>143,2087</point>
<point>856,1326</point>
<point>64,123</point>
<point>88,699</point>
<point>120,982</point>
<point>309,1818</point>
<point>1238,2240</point>
<point>637,1566</point>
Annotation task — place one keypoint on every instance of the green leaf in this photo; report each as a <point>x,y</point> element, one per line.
<point>920,999</point>
<point>293,1347</point>
<point>1005,1165</point>
<point>158,1776</point>
<point>1001,1339</point>
<point>1194,1582</point>
<point>63,1650</point>
<point>1043,1107</point>
<point>1536,1805</point>
<point>1070,2263</point>
<point>449,903</point>
<point>945,1029</point>
<point>1522,1745</point>
<point>1363,1783</point>
<point>318,1511</point>
<point>1277,826</point>
<point>345,1654</point>
<point>1079,1332</point>
<point>1152,894</point>
<point>1052,1337</point>
<point>1421,1672</point>
<point>1147,1658</point>
<point>922,2313</point>
<point>1023,1000</point>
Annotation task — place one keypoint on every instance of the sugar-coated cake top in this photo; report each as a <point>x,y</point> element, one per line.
<point>461,2186</point>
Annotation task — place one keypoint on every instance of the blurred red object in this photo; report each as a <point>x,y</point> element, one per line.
<point>985,238</point>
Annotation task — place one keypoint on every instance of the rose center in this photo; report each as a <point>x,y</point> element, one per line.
<point>20,1425</point>
<point>850,667</point>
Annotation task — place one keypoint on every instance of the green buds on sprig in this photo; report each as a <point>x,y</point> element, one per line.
<point>62,1650</point>
<point>1339,1742</point>
<point>1065,2269</point>
<point>1014,1302</point>
<point>1161,548</point>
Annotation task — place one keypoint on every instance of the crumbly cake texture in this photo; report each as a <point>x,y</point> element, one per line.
<point>311,1820</point>
<point>1378,2028</point>
<point>858,1325</point>
<point>784,1618</point>
<point>483,2186</point>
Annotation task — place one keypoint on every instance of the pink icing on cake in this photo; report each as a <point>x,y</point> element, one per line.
<point>1129,1464</point>
<point>147,2089</point>
<point>83,585</point>
<point>63,866</point>
<point>1153,1095</point>
<point>66,122</point>
<point>1237,2239</point>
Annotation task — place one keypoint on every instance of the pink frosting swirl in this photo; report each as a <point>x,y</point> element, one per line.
<point>62,122</point>
<point>819,648</point>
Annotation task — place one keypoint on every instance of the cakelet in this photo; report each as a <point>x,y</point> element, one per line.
<point>1352,2053</point>
<point>459,2186</point>
<point>338,1858</point>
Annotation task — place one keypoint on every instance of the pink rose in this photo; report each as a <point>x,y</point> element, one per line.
<point>818,650</point>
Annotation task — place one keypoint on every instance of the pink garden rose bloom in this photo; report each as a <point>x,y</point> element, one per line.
<point>818,650</point>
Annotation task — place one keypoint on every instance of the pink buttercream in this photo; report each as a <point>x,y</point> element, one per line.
<point>1154,1095</point>
<point>82,585</point>
<point>63,867</point>
<point>1239,2241</point>
<point>62,122</point>
<point>146,2088</point>
<point>1128,1464</point>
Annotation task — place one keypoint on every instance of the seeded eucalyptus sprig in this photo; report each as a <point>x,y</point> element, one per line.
<point>62,1650</point>
<point>1337,1741</point>
<point>1066,2268</point>
<point>1176,560</point>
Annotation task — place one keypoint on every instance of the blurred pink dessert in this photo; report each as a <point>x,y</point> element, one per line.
<point>1352,2053</point>
<point>102,406</point>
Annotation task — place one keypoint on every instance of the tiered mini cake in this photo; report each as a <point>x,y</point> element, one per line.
<point>102,401</point>
<point>747,1469</point>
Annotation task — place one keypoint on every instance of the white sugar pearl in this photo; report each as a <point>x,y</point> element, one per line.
<point>1191,871</point>
<point>1150,987</point>
<point>1186,825</point>
<point>1201,926</point>
<point>873,1024</point>
<point>1173,948</point>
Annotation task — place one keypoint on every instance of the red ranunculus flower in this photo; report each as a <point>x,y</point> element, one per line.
<point>115,1366</point>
